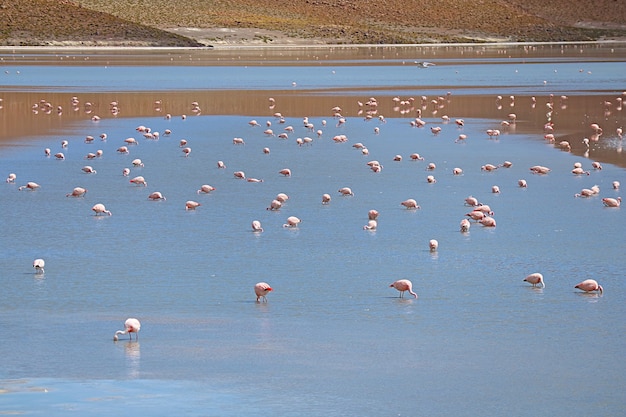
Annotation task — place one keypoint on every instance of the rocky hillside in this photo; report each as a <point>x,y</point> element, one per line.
<point>154,22</point>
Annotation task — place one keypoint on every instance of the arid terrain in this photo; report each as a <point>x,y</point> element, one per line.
<point>272,22</point>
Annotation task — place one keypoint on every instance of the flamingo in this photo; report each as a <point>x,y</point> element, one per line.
<point>59,155</point>
<point>274,205</point>
<point>535,279</point>
<point>495,189</point>
<point>325,198</point>
<point>266,151</point>
<point>122,149</point>
<point>410,204</point>
<point>372,214</point>
<point>538,169</point>
<point>186,151</point>
<point>139,181</point>
<point>38,264</point>
<point>88,169</point>
<point>465,225</point>
<point>131,326</point>
<point>403,285</point>
<point>156,196</point>
<point>29,186</point>
<point>285,171</point>
<point>416,157</point>
<point>488,221</point>
<point>292,221</point>
<point>77,192</point>
<point>579,171</point>
<point>137,163</point>
<point>191,205</point>
<point>596,165</point>
<point>488,167</point>
<point>126,172</point>
<point>100,209</point>
<point>616,184</point>
<point>345,191</point>
<point>261,289</point>
<point>282,197</point>
<point>471,201</point>
<point>476,215</point>
<point>431,179</point>
<point>205,189</point>
<point>238,141</point>
<point>239,175</point>
<point>11,177</point>
<point>431,166</point>
<point>221,165</point>
<point>612,202</point>
<point>256,226</point>
<point>522,183</point>
<point>433,245</point>
<point>589,285</point>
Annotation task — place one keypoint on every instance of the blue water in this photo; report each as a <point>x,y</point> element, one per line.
<point>333,338</point>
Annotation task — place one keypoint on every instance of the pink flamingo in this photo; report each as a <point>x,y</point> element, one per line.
<point>535,279</point>
<point>156,196</point>
<point>465,225</point>
<point>100,209</point>
<point>122,149</point>
<point>590,285</point>
<point>139,181</point>
<point>11,178</point>
<point>282,197</point>
<point>495,189</point>
<point>261,289</point>
<point>186,151</point>
<point>137,163</point>
<point>292,221</point>
<point>59,155</point>
<point>131,326</point>
<point>77,192</point>
<point>191,205</point>
<point>433,244</point>
<point>410,204</point>
<point>325,198</point>
<point>285,171</point>
<point>522,183</point>
<point>256,226</point>
<point>221,164</point>
<point>488,221</point>
<point>88,169</point>
<point>205,189</point>
<point>38,264</point>
<point>612,202</point>
<point>403,285</point>
<point>345,191</point>
<point>126,172</point>
<point>29,186</point>
<point>372,214</point>
<point>416,157</point>
<point>471,201</point>
<point>275,205</point>
<point>240,175</point>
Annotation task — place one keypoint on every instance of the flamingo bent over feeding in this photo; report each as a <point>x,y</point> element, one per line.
<point>261,289</point>
<point>403,285</point>
<point>535,279</point>
<point>131,326</point>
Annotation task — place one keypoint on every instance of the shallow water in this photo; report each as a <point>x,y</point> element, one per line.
<point>333,338</point>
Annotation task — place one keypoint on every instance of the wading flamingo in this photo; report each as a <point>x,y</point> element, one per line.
<point>205,189</point>
<point>403,285</point>
<point>256,226</point>
<point>38,264</point>
<point>345,191</point>
<point>325,198</point>
<point>139,181</point>
<point>29,186</point>
<point>590,285</point>
<point>465,225</point>
<point>156,196</point>
<point>433,245</point>
<point>410,204</point>
<point>130,326</point>
<point>191,205</point>
<point>612,202</point>
<point>371,225</point>
<point>535,279</point>
<point>100,209</point>
<point>77,192</point>
<point>261,289</point>
<point>292,221</point>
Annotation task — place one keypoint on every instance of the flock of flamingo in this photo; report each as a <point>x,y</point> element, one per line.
<point>480,213</point>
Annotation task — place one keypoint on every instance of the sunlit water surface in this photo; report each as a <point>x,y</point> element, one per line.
<point>333,338</point>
